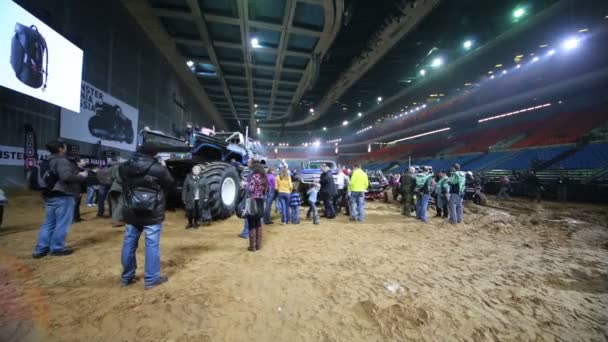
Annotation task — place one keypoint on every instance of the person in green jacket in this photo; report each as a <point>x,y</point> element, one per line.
<point>195,195</point>
<point>457,184</point>
<point>423,192</point>
<point>357,187</point>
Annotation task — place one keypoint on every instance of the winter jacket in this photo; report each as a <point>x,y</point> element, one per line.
<point>442,186</point>
<point>408,183</point>
<point>104,175</point>
<point>341,180</point>
<point>157,177</point>
<point>116,180</point>
<point>328,187</point>
<point>457,183</point>
<point>284,185</point>
<point>69,183</point>
<point>312,195</point>
<point>191,184</point>
<point>423,183</point>
<point>255,186</point>
<point>358,181</point>
<point>294,199</point>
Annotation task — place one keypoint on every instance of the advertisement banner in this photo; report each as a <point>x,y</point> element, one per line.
<point>15,156</point>
<point>37,61</point>
<point>102,118</point>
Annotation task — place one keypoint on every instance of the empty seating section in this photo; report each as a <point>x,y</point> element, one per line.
<point>592,156</point>
<point>524,159</point>
<point>564,128</point>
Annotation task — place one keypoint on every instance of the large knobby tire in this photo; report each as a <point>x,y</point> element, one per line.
<point>223,181</point>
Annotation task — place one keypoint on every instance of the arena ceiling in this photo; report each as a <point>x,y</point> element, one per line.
<point>293,67</point>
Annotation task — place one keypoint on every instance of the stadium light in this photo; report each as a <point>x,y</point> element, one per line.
<point>504,72</point>
<point>514,112</point>
<point>420,135</point>
<point>359,114</point>
<point>344,123</point>
<point>324,128</point>
<point>276,150</point>
<point>570,43</point>
<point>551,52</point>
<point>317,143</point>
<point>312,110</point>
<point>259,130</point>
<point>255,43</point>
<point>437,62</point>
<point>535,59</point>
<point>379,99</point>
<point>467,44</point>
<point>519,12</point>
<point>255,105</point>
<point>190,64</point>
<point>518,66</point>
<point>422,72</point>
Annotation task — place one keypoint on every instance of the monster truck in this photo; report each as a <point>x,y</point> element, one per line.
<point>223,157</point>
<point>378,184</point>
<point>311,173</point>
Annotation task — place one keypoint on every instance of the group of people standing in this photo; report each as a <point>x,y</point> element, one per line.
<point>417,187</point>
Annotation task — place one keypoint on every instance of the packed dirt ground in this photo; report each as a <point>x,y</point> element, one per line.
<point>515,271</point>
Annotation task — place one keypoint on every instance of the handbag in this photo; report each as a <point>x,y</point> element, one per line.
<point>241,208</point>
<point>253,209</point>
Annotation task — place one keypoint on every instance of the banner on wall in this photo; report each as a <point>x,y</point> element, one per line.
<point>102,118</point>
<point>15,156</point>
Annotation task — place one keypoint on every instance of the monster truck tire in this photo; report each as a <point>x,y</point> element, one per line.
<point>224,183</point>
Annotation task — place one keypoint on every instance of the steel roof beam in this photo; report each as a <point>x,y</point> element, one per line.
<point>260,25</point>
<point>201,26</point>
<point>243,23</point>
<point>152,26</point>
<point>290,10</point>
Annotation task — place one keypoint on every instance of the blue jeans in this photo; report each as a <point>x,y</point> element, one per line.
<point>295,214</point>
<point>455,208</point>
<point>357,199</point>
<point>90,194</point>
<point>245,232</point>
<point>268,208</point>
<point>422,208</point>
<point>284,200</point>
<point>101,199</point>
<point>59,215</point>
<point>313,210</point>
<point>129,247</point>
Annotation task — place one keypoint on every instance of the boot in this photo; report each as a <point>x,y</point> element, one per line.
<point>189,225</point>
<point>196,224</point>
<point>259,233</point>
<point>252,239</point>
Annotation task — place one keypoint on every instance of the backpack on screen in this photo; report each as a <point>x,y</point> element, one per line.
<point>40,177</point>
<point>30,56</point>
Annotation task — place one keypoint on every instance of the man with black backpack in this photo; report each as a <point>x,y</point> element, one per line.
<point>144,183</point>
<point>59,181</point>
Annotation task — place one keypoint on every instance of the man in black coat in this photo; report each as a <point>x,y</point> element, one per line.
<point>144,182</point>
<point>327,191</point>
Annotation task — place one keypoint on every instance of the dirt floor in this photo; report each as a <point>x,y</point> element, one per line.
<point>515,271</point>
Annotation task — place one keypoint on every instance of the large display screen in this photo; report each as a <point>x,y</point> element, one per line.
<point>37,61</point>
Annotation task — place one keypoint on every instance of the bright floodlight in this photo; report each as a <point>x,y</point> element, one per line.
<point>437,62</point>
<point>190,64</point>
<point>519,12</point>
<point>504,72</point>
<point>312,110</point>
<point>325,128</point>
<point>359,114</point>
<point>317,143</point>
<point>258,130</point>
<point>255,105</point>
<point>379,99</point>
<point>535,59</point>
<point>344,123</point>
<point>518,66</point>
<point>551,52</point>
<point>468,44</point>
<point>570,43</point>
<point>422,72</point>
<point>492,77</point>
<point>255,43</point>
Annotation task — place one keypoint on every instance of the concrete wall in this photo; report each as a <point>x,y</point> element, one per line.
<point>118,59</point>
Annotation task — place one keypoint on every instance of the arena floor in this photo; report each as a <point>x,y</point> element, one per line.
<point>515,271</point>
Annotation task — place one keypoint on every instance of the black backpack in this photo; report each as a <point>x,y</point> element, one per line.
<point>140,201</point>
<point>28,54</point>
<point>41,178</point>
